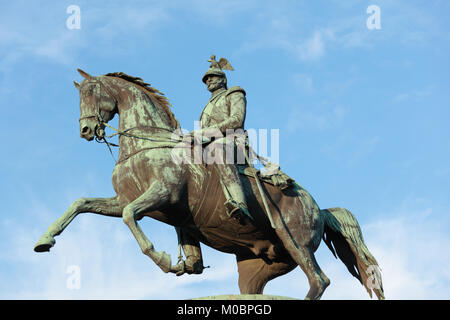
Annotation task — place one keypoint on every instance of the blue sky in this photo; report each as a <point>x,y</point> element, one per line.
<point>363,119</point>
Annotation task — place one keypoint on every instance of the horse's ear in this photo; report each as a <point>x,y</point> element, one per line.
<point>77,85</point>
<point>84,74</point>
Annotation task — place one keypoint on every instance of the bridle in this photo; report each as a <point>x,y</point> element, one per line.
<point>101,123</point>
<point>97,111</point>
<point>100,138</point>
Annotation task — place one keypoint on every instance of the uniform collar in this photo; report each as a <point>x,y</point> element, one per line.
<point>217,93</point>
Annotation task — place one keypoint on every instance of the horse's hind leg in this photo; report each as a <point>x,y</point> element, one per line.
<point>252,277</point>
<point>303,255</point>
<point>104,206</point>
<point>255,273</point>
<point>318,281</point>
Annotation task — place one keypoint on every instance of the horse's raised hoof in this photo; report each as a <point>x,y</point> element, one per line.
<point>179,269</point>
<point>44,244</point>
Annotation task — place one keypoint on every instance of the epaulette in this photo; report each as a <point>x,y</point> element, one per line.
<point>235,89</point>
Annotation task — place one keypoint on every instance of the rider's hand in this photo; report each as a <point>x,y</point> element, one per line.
<point>200,137</point>
<point>205,134</point>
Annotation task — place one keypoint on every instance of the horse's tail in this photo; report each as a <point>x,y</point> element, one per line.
<point>344,238</point>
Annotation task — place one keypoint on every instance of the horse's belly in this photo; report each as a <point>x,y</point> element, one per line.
<point>225,233</point>
<point>245,241</point>
<point>228,234</point>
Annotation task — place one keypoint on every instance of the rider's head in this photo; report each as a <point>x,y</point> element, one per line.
<point>214,82</point>
<point>214,77</point>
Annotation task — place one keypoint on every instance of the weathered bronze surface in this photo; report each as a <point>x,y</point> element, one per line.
<point>148,182</point>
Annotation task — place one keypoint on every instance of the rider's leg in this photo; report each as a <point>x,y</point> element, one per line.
<point>236,203</point>
<point>192,251</point>
<point>219,153</point>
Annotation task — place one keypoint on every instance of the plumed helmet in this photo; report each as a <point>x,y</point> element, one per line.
<point>216,67</point>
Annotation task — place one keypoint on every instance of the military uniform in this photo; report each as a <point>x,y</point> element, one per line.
<point>226,110</point>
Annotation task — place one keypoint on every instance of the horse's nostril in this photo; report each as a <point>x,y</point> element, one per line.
<point>85,130</point>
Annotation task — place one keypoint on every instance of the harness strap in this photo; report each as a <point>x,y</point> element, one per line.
<point>144,149</point>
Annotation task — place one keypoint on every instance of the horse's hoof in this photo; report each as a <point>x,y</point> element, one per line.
<point>179,269</point>
<point>44,244</point>
<point>316,291</point>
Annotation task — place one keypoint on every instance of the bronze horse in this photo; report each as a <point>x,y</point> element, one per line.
<point>149,183</point>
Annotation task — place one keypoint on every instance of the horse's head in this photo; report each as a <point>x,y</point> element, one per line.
<point>97,106</point>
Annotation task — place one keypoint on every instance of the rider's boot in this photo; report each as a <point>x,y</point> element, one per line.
<point>191,248</point>
<point>235,204</point>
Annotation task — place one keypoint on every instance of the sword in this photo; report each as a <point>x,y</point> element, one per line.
<point>261,192</point>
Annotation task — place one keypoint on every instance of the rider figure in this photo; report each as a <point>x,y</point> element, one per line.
<point>225,111</point>
<point>224,114</point>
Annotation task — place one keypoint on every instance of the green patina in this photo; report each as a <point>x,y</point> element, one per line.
<point>148,182</point>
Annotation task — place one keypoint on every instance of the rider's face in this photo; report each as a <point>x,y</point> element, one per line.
<point>214,82</point>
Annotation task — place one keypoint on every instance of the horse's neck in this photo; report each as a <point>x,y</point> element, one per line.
<point>139,116</point>
<point>138,110</point>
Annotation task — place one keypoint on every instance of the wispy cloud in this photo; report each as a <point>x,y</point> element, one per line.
<point>312,48</point>
<point>363,150</point>
<point>31,37</point>
<point>312,40</point>
<point>315,117</point>
<point>411,249</point>
<point>59,49</point>
<point>410,246</point>
<point>414,94</point>
<point>111,264</point>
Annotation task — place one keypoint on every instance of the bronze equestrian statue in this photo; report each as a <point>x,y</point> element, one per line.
<point>191,197</point>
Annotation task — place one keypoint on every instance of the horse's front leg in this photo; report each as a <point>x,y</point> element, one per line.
<point>155,198</point>
<point>104,206</point>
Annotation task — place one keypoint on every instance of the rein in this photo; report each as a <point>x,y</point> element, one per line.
<point>129,135</point>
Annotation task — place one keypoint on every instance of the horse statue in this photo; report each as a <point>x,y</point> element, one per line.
<point>148,183</point>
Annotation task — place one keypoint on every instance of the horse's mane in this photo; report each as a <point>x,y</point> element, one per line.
<point>152,92</point>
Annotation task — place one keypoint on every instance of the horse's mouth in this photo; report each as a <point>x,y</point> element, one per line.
<point>100,132</point>
<point>89,137</point>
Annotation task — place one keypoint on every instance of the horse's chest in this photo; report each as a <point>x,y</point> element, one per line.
<point>131,178</point>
